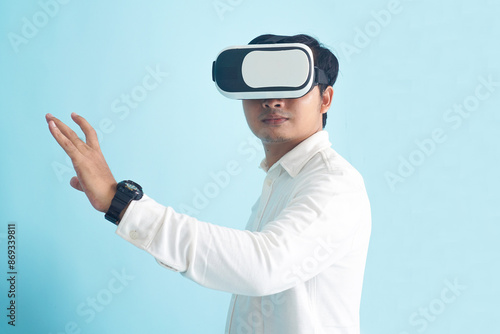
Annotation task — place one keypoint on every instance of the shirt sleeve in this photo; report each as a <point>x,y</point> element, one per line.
<point>316,229</point>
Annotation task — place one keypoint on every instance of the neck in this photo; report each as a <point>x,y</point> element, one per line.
<point>276,150</point>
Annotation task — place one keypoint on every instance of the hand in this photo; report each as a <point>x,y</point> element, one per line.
<point>93,175</point>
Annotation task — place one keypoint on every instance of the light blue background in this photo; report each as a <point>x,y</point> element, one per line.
<point>439,224</point>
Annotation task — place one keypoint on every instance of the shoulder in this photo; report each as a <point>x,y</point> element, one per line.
<point>330,168</point>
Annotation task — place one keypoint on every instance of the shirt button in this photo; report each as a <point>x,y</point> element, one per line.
<point>269,182</point>
<point>134,235</point>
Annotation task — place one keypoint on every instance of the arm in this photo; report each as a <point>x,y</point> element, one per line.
<point>308,236</point>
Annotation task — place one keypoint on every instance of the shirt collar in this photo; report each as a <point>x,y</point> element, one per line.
<point>294,160</point>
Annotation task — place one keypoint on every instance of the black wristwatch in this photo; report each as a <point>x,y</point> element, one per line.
<point>126,191</point>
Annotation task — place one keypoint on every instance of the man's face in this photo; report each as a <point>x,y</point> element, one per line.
<point>287,120</point>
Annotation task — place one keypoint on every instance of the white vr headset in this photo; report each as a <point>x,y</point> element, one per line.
<point>263,71</point>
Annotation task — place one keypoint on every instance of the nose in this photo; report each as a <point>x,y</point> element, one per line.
<point>273,103</point>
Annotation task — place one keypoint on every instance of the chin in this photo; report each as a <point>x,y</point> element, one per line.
<point>274,139</point>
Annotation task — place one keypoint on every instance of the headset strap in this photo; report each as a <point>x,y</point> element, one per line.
<point>320,76</point>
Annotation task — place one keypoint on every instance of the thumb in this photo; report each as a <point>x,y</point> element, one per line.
<point>75,183</point>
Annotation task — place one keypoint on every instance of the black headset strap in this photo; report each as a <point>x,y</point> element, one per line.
<point>320,76</point>
<point>274,39</point>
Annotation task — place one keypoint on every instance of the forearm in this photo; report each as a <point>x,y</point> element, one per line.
<point>208,254</point>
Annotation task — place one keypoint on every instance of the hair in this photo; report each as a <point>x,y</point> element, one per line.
<point>323,58</point>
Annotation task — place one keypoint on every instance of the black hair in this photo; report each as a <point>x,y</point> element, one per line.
<point>323,57</point>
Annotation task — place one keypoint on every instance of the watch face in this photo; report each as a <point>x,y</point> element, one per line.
<point>131,187</point>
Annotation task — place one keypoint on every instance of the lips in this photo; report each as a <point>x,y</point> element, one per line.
<point>274,119</point>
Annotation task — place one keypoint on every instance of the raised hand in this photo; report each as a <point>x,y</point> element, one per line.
<point>93,175</point>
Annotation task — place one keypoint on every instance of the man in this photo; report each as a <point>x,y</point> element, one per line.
<point>298,267</point>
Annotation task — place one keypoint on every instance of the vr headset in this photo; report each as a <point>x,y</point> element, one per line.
<point>263,71</point>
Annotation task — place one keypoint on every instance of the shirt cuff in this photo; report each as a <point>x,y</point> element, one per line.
<point>141,222</point>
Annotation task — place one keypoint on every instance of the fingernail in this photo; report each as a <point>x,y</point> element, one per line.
<point>52,124</point>
<point>74,114</point>
<point>50,115</point>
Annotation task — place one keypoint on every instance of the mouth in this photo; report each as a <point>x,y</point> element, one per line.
<point>274,119</point>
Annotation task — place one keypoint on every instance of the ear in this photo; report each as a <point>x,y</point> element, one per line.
<point>326,99</point>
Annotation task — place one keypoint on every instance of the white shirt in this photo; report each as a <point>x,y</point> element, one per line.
<point>297,268</point>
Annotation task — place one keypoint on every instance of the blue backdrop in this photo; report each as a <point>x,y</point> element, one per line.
<point>416,111</point>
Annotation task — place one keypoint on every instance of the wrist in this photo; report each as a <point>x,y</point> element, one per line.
<point>126,191</point>
<point>109,197</point>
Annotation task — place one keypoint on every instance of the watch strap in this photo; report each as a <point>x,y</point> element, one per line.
<point>122,198</point>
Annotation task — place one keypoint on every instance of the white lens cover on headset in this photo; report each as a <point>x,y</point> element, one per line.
<point>262,71</point>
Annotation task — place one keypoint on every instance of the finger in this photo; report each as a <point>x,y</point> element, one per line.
<point>75,183</point>
<point>63,141</point>
<point>68,133</point>
<point>88,130</point>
